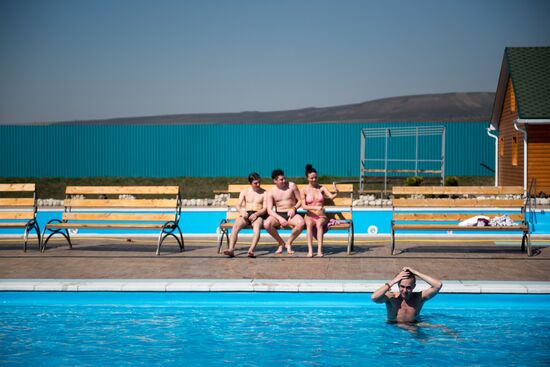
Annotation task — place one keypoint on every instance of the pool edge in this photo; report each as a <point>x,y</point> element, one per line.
<point>261,285</point>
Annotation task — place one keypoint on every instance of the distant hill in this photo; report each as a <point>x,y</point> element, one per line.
<point>429,107</point>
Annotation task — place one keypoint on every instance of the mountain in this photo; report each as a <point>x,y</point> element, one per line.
<point>474,106</point>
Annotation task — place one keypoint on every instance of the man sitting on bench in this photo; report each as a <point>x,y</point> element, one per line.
<point>285,197</point>
<point>252,206</point>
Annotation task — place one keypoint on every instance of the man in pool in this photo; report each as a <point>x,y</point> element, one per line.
<point>285,197</point>
<point>404,306</point>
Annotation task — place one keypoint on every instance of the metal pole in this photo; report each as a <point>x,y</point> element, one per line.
<point>362,163</point>
<point>386,163</point>
<point>416,158</point>
<point>443,157</point>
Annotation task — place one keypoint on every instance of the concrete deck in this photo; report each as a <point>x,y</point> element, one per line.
<point>463,259</point>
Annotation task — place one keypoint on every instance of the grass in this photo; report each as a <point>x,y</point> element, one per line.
<point>203,187</point>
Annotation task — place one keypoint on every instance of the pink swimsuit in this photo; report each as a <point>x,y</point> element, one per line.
<point>314,198</point>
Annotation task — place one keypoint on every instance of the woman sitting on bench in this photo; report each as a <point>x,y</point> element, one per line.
<point>313,197</point>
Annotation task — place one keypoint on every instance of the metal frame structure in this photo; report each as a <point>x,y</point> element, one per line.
<point>396,132</point>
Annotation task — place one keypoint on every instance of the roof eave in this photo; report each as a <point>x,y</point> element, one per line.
<point>533,121</point>
<point>500,92</point>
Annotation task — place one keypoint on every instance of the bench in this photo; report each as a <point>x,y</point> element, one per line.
<point>19,212</point>
<point>340,208</point>
<point>431,212</point>
<point>157,208</point>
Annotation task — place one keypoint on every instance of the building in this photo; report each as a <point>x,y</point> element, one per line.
<point>521,119</point>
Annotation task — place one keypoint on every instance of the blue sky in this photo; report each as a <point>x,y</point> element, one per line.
<point>75,59</point>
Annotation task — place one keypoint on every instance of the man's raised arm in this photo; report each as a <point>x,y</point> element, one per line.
<point>380,295</point>
<point>435,284</point>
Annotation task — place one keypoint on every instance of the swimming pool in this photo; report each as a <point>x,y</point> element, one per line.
<point>266,329</point>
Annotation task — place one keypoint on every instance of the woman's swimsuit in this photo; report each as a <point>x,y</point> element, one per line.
<point>314,197</point>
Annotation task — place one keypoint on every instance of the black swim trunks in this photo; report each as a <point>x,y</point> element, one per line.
<point>250,212</point>
<point>283,214</point>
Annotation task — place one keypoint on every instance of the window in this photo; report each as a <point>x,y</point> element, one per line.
<point>501,146</point>
<point>515,150</point>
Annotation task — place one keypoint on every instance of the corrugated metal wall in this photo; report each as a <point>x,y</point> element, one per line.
<point>216,150</point>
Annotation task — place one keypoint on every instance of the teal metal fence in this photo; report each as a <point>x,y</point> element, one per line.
<point>217,150</point>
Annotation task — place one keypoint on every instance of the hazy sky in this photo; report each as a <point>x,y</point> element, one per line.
<point>75,59</point>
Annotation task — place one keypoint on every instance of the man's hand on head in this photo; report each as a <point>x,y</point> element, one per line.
<point>410,270</point>
<point>402,275</point>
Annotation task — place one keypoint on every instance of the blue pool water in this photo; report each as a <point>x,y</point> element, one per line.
<point>267,329</point>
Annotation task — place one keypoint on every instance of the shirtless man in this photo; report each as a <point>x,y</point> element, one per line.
<point>285,197</point>
<point>405,306</point>
<point>252,207</point>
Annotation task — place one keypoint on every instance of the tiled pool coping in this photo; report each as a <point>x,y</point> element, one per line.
<point>259,285</point>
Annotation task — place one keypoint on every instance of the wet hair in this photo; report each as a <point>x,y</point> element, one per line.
<point>253,176</point>
<point>310,169</point>
<point>276,173</point>
<point>411,276</point>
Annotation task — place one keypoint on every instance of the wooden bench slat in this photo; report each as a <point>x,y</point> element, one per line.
<point>340,215</point>
<point>18,187</point>
<point>457,190</point>
<point>153,217</point>
<point>232,215</point>
<point>402,170</point>
<point>460,203</point>
<point>340,226</point>
<point>457,227</point>
<point>104,225</point>
<point>232,201</point>
<point>17,215</point>
<point>121,203</point>
<point>13,224</point>
<point>17,202</point>
<point>337,201</point>
<point>84,190</point>
<point>449,217</point>
<point>343,188</point>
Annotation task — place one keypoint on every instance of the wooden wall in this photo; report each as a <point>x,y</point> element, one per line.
<point>538,156</point>
<point>509,174</point>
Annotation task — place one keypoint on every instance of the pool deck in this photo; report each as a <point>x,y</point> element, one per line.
<point>129,263</point>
